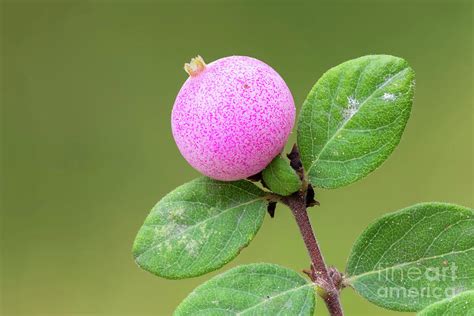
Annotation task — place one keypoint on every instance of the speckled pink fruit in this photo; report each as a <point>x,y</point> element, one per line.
<point>232,117</point>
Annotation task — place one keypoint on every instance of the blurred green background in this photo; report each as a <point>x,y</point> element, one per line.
<point>87,91</point>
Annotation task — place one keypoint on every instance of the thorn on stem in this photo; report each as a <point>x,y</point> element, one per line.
<point>271,209</point>
<point>308,273</point>
<point>311,273</point>
<point>310,201</point>
<point>295,160</point>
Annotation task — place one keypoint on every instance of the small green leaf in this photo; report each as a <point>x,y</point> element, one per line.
<point>254,289</point>
<point>353,118</point>
<point>461,304</point>
<point>280,177</point>
<point>412,258</point>
<point>199,227</point>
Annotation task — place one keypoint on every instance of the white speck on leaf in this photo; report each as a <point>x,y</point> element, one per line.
<point>192,248</point>
<point>352,107</point>
<point>388,96</point>
<point>170,229</point>
<point>352,102</point>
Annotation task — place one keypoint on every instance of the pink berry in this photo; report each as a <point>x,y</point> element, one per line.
<point>232,117</point>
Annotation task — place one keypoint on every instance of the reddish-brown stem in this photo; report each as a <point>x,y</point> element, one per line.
<point>320,273</point>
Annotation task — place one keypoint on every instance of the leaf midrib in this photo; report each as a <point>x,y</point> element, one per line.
<point>389,80</point>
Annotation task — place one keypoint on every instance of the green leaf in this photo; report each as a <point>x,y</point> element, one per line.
<point>353,118</point>
<point>280,177</point>
<point>254,289</point>
<point>461,304</point>
<point>199,227</point>
<point>412,258</point>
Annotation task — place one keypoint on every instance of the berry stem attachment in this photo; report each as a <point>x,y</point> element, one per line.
<point>319,274</point>
<point>195,66</point>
